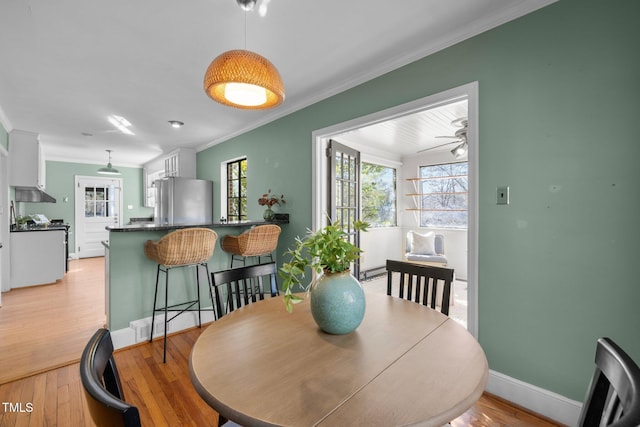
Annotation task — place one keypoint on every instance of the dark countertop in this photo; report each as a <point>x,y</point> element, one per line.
<point>161,227</point>
<point>49,228</point>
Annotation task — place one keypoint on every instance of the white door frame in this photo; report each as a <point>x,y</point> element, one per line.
<point>4,222</point>
<point>79,205</point>
<point>469,92</point>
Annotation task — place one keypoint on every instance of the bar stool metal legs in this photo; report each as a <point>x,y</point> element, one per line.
<point>243,259</point>
<point>182,307</point>
<point>189,247</point>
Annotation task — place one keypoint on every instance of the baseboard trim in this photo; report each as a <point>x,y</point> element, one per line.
<point>535,399</point>
<point>138,330</point>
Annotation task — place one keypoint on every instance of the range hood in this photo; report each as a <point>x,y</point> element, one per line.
<point>32,194</point>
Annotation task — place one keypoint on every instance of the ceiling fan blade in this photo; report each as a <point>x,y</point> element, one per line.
<point>438,146</point>
<point>447,136</point>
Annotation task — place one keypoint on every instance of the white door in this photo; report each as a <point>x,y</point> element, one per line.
<point>98,205</point>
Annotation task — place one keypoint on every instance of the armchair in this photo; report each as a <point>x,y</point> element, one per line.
<point>425,248</point>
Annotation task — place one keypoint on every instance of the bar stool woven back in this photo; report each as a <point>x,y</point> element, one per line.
<point>257,241</point>
<point>181,248</point>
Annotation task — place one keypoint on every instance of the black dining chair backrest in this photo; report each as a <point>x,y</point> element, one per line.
<point>613,398</point>
<point>242,285</point>
<point>102,387</point>
<point>421,283</point>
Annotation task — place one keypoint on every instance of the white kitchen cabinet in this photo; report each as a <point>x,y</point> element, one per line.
<point>37,257</point>
<point>27,164</point>
<point>181,163</point>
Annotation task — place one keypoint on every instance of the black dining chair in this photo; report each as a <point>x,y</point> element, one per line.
<point>613,398</point>
<point>102,387</point>
<point>243,285</point>
<point>419,283</point>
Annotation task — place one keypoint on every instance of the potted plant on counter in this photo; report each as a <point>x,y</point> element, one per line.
<point>337,298</point>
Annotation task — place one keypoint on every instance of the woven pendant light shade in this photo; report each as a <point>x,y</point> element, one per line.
<point>244,67</point>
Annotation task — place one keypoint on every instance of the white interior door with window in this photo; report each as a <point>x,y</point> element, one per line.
<point>98,205</point>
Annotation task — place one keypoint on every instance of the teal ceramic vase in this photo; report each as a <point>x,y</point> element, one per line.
<point>337,303</point>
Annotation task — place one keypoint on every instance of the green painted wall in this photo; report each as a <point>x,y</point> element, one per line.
<point>60,183</point>
<point>557,108</point>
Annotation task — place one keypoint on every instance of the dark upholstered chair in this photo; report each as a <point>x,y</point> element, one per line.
<point>101,384</point>
<point>243,285</point>
<point>420,283</point>
<point>613,398</point>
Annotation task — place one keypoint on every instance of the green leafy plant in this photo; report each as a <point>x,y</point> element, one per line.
<point>328,249</point>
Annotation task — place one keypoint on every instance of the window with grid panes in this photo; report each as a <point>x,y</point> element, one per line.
<point>237,190</point>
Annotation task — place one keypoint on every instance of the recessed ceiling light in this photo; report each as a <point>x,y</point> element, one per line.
<point>176,123</point>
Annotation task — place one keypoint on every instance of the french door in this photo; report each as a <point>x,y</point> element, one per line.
<point>344,191</point>
<point>98,205</point>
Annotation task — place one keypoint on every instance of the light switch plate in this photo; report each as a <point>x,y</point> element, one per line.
<point>502,196</point>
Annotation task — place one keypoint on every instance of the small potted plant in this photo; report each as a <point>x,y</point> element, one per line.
<point>337,298</point>
<point>269,200</point>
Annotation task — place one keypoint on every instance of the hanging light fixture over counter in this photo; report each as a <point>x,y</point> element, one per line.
<point>243,79</point>
<point>109,169</point>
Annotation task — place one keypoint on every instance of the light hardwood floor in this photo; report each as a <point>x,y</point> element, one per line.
<point>55,333</point>
<point>42,327</point>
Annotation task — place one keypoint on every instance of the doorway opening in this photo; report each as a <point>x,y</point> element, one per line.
<point>98,205</point>
<point>442,113</point>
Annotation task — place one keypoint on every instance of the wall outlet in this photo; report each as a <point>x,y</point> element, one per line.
<point>502,196</point>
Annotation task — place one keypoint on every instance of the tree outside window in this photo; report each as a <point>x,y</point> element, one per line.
<point>444,195</point>
<point>378,195</point>
<point>237,190</point>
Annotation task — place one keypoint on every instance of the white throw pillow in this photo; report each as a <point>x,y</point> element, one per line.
<point>423,244</point>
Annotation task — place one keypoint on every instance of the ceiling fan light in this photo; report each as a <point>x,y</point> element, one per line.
<point>245,68</point>
<point>460,150</point>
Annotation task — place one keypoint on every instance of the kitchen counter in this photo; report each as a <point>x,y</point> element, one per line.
<point>37,258</point>
<point>130,275</point>
<point>49,228</point>
<point>167,227</point>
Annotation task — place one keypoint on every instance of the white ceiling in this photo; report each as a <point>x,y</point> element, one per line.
<point>67,65</point>
<point>430,130</point>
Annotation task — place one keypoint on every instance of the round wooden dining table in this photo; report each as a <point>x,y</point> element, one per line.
<point>406,364</point>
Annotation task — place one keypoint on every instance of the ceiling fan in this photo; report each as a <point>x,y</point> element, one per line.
<point>460,136</point>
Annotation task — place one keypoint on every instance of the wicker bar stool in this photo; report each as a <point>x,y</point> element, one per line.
<point>259,241</point>
<point>189,247</point>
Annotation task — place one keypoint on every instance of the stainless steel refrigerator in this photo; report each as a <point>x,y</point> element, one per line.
<point>181,201</point>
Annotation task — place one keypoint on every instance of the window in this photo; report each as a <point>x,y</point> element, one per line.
<point>378,195</point>
<point>237,190</point>
<point>444,195</point>
<point>98,202</point>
